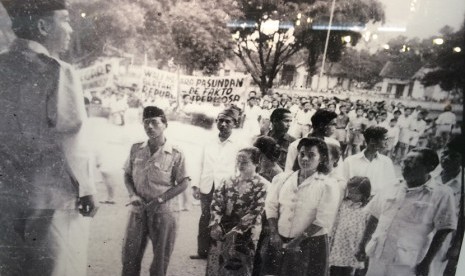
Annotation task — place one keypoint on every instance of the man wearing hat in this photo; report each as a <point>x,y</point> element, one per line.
<point>218,162</point>
<point>45,170</point>
<point>155,174</point>
<point>324,125</point>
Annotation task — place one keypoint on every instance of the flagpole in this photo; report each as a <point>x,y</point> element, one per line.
<point>326,45</point>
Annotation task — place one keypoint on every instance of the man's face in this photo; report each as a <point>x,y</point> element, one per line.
<point>450,160</point>
<point>154,127</point>
<point>343,109</point>
<point>330,128</point>
<point>283,125</point>
<point>225,124</point>
<point>412,167</point>
<point>378,144</point>
<point>331,107</point>
<point>59,32</point>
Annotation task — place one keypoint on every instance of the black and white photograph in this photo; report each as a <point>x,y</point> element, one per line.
<point>232,137</point>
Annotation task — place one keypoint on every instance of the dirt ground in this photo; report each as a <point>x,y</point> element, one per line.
<point>108,226</point>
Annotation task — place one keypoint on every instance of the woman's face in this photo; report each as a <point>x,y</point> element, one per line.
<point>244,163</point>
<point>308,158</point>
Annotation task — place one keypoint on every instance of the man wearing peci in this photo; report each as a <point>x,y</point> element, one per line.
<point>155,175</point>
<point>46,167</point>
<point>218,161</point>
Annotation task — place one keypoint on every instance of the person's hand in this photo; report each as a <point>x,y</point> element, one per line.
<point>294,245</point>
<point>361,255</point>
<point>452,253</point>
<point>87,206</point>
<point>422,269</point>
<point>276,241</point>
<point>196,192</point>
<point>216,232</point>
<point>135,200</point>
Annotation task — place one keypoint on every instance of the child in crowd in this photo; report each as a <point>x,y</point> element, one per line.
<point>348,228</point>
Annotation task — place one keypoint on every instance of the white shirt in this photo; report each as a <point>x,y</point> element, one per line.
<point>292,151</point>
<point>380,170</point>
<point>304,118</point>
<point>392,135</point>
<point>417,128</point>
<point>446,118</point>
<point>406,217</point>
<point>314,201</point>
<point>218,161</point>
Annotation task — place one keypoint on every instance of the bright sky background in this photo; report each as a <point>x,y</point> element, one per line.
<point>428,17</point>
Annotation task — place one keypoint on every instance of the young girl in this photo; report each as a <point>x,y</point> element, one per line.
<point>348,228</point>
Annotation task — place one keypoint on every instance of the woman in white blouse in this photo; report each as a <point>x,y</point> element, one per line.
<point>300,207</point>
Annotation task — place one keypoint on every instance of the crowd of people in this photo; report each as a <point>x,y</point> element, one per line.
<point>302,190</point>
<point>309,187</point>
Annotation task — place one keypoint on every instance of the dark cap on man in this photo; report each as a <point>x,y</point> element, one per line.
<point>322,118</point>
<point>230,112</point>
<point>21,8</point>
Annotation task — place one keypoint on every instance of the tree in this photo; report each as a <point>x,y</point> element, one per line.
<point>194,33</point>
<point>200,35</point>
<point>269,32</point>
<point>361,66</point>
<point>448,62</point>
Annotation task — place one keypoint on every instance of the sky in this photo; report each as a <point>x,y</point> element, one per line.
<point>427,18</point>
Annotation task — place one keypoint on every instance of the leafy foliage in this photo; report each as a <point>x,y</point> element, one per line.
<point>448,63</point>
<point>192,32</point>
<point>268,33</point>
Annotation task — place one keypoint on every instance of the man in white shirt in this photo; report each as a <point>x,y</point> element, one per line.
<point>417,127</point>
<point>404,136</point>
<point>370,162</point>
<point>392,138</point>
<point>303,119</point>
<point>396,238</point>
<point>218,162</point>
<point>451,175</point>
<point>444,123</point>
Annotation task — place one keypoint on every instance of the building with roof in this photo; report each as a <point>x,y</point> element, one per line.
<point>402,80</point>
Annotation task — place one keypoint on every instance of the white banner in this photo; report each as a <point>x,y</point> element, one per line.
<point>98,75</point>
<point>230,89</point>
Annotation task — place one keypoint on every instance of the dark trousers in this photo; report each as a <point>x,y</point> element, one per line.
<point>311,260</point>
<point>27,246</point>
<point>341,271</point>
<point>203,238</point>
<point>161,228</point>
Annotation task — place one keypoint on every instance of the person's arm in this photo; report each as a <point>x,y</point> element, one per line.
<point>175,190</point>
<point>195,186</point>
<point>134,199</point>
<point>369,230</point>
<point>272,209</point>
<point>423,267</point>
<point>291,156</point>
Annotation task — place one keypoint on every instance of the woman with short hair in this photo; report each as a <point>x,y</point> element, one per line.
<point>237,204</point>
<point>300,207</point>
